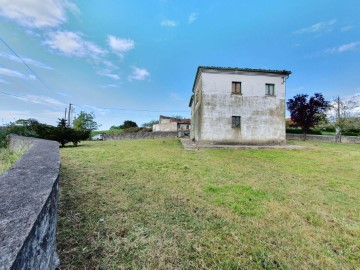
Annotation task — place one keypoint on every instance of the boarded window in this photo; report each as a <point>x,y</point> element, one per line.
<point>270,89</point>
<point>235,121</point>
<point>236,88</point>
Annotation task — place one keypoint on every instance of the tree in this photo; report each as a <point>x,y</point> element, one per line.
<point>307,113</point>
<point>128,124</point>
<point>114,127</point>
<point>63,133</point>
<point>85,121</point>
<point>342,116</point>
<point>178,117</point>
<point>150,123</point>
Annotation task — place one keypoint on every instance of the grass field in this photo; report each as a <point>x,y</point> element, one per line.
<point>7,158</point>
<point>148,204</point>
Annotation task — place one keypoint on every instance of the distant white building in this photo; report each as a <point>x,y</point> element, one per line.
<point>237,105</point>
<point>167,123</point>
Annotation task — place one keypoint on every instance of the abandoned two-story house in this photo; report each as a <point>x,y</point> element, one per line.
<point>238,105</point>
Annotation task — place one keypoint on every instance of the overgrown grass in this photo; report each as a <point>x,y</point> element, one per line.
<point>7,158</point>
<point>148,204</point>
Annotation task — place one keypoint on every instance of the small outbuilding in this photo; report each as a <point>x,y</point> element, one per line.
<point>238,106</point>
<point>167,123</point>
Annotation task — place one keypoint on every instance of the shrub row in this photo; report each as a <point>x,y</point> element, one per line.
<point>32,128</point>
<point>299,131</point>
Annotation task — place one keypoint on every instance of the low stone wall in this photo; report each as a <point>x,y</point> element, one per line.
<point>323,138</point>
<point>139,135</point>
<point>28,206</point>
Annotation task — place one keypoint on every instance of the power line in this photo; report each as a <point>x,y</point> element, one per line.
<point>96,107</point>
<point>22,61</point>
<point>123,109</point>
<point>26,98</point>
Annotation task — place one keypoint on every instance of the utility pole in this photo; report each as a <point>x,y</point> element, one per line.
<point>69,112</point>
<point>65,113</point>
<point>338,108</point>
<point>339,124</point>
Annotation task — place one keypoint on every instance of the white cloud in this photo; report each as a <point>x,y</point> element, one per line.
<point>108,73</point>
<point>27,60</point>
<point>13,115</point>
<point>73,44</point>
<point>43,100</point>
<point>139,74</point>
<point>15,74</point>
<point>53,115</point>
<point>63,94</point>
<point>37,13</point>
<point>346,28</point>
<point>169,23</point>
<point>110,65</point>
<point>343,48</point>
<point>175,96</point>
<point>109,86</point>
<point>101,111</point>
<point>120,45</point>
<point>192,17</point>
<point>4,82</point>
<point>318,27</point>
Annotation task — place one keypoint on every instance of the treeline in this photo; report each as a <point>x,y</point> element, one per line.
<point>61,133</point>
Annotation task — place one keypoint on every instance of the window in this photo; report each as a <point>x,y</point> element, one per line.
<point>270,89</point>
<point>236,88</point>
<point>235,121</point>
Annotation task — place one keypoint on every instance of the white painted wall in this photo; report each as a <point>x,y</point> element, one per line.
<point>170,126</point>
<point>262,117</point>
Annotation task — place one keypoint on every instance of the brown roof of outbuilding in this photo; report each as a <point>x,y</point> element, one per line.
<point>177,120</point>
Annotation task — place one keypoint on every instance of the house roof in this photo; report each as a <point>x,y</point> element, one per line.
<point>191,100</point>
<point>271,71</point>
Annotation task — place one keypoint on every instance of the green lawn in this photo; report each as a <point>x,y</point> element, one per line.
<point>148,204</point>
<point>7,158</point>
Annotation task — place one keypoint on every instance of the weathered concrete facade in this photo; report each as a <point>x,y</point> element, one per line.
<point>260,116</point>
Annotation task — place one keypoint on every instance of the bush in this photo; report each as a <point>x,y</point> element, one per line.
<point>62,133</point>
<point>299,131</point>
<point>294,131</point>
<point>348,133</point>
<point>3,137</point>
<point>329,129</point>
<point>315,132</point>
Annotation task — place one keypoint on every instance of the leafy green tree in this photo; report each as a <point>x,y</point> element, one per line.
<point>306,113</point>
<point>85,121</point>
<point>128,124</point>
<point>114,127</point>
<point>178,117</point>
<point>150,123</point>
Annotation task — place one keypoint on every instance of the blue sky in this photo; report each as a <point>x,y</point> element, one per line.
<point>134,60</point>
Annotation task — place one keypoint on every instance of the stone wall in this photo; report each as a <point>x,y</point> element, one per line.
<point>139,135</point>
<point>322,138</point>
<point>28,206</point>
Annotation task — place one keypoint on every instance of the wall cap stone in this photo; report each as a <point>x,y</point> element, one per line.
<point>24,191</point>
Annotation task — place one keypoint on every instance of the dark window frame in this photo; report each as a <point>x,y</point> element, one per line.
<point>236,121</point>
<point>267,92</point>
<point>234,89</point>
